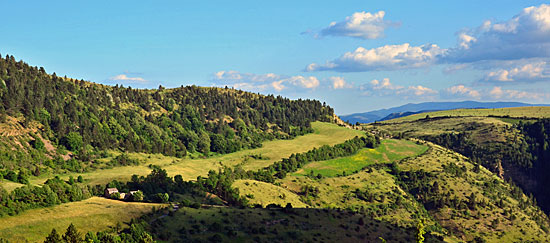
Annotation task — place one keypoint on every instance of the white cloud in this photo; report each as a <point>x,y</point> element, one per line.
<point>499,93</point>
<point>264,82</point>
<point>526,72</point>
<point>460,91</point>
<point>494,93</point>
<point>526,35</point>
<point>385,84</point>
<point>339,83</point>
<point>389,57</point>
<point>386,88</point>
<point>305,82</point>
<point>419,90</point>
<point>125,78</point>
<point>362,25</point>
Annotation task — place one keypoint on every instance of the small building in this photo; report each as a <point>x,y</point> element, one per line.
<point>110,191</point>
<point>123,195</point>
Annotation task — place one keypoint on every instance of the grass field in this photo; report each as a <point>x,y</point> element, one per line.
<point>531,112</point>
<point>93,214</point>
<point>258,192</point>
<point>438,126</point>
<point>269,225</point>
<point>10,185</point>
<point>389,150</point>
<point>271,151</point>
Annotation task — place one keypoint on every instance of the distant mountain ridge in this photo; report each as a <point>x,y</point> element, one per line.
<point>409,109</point>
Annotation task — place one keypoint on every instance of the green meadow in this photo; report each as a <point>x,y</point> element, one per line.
<point>389,150</point>
<point>270,152</point>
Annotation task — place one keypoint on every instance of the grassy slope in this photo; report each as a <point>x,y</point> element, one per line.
<point>265,193</point>
<point>482,128</point>
<point>335,192</point>
<point>271,225</point>
<point>467,223</point>
<point>93,214</point>
<point>9,185</point>
<point>531,112</point>
<point>325,133</point>
<point>461,224</point>
<point>25,224</point>
<point>388,151</point>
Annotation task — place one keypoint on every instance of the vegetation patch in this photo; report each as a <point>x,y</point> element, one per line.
<point>94,214</point>
<point>389,150</point>
<point>277,225</point>
<point>189,169</point>
<point>263,193</point>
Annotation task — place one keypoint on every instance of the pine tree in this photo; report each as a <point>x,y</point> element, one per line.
<point>72,235</point>
<point>53,237</point>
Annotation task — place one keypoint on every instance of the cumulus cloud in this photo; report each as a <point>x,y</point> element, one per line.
<point>500,93</point>
<point>492,93</point>
<point>526,35</point>
<point>385,84</point>
<point>419,90</point>
<point>389,57</point>
<point>362,25</point>
<point>339,83</point>
<point>526,72</point>
<point>386,88</point>
<point>126,79</point>
<point>460,91</point>
<point>305,82</point>
<point>263,82</point>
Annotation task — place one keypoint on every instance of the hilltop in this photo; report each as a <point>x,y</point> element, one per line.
<point>409,109</point>
<point>511,142</point>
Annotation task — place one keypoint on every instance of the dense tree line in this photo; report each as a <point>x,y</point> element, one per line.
<point>488,154</point>
<point>83,116</point>
<point>136,233</point>
<point>159,187</point>
<point>53,192</point>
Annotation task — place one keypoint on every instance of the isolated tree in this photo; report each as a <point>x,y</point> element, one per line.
<point>53,237</point>
<point>72,235</point>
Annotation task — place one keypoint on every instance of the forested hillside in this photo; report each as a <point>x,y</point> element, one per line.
<point>54,120</point>
<point>512,143</point>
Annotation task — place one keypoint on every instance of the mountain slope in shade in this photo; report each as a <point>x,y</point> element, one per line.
<point>377,115</point>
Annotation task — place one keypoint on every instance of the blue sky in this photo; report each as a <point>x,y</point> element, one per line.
<point>355,55</point>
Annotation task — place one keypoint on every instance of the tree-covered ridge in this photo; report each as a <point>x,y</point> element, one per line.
<point>85,117</point>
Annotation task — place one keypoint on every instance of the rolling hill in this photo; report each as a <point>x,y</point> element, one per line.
<point>409,109</point>
<point>218,164</point>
